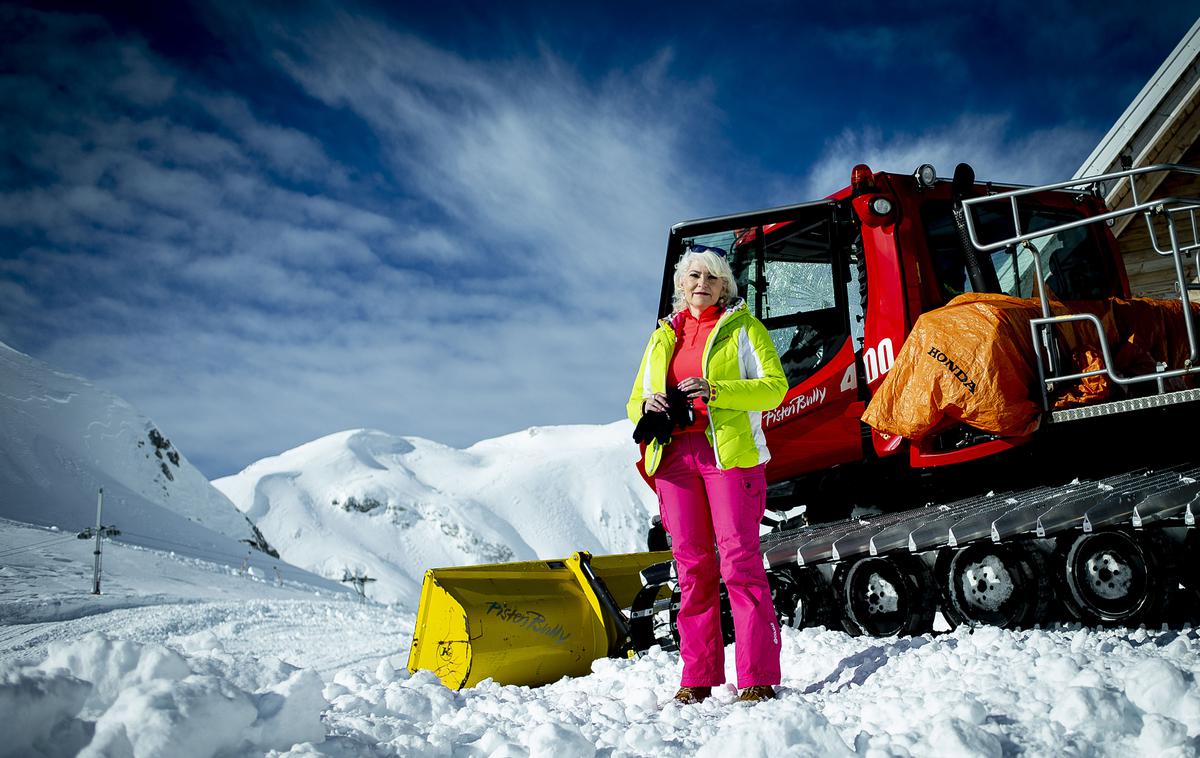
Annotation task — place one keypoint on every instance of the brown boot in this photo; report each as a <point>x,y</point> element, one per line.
<point>757,693</point>
<point>692,695</point>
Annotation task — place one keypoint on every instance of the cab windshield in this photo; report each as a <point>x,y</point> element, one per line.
<point>1074,265</point>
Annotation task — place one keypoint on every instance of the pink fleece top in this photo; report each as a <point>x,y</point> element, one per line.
<point>691,334</point>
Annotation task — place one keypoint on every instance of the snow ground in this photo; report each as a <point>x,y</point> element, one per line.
<point>150,596</point>
<point>185,658</point>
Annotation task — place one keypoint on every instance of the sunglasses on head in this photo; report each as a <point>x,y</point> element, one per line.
<point>717,251</point>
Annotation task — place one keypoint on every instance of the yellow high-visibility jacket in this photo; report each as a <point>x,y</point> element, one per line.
<point>744,377</point>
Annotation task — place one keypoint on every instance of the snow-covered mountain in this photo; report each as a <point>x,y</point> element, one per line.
<point>64,439</point>
<point>391,507</point>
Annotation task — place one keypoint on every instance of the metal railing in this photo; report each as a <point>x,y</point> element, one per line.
<point>1168,209</point>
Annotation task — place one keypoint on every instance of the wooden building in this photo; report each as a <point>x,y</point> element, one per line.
<point>1161,125</point>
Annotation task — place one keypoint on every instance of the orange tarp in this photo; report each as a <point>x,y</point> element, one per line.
<point>1141,333</point>
<point>973,361</point>
<point>970,360</point>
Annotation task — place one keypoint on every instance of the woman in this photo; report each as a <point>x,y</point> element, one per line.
<point>710,480</point>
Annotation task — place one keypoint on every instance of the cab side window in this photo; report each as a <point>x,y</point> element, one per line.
<point>795,297</point>
<point>794,283</point>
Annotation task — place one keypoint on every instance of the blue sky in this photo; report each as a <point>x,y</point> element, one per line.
<point>448,219</point>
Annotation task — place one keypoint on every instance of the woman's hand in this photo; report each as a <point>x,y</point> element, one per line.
<point>695,386</point>
<point>656,402</point>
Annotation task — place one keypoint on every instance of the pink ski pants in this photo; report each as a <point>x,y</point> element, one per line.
<point>700,505</point>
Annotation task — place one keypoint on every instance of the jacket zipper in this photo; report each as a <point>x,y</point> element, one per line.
<point>712,336</point>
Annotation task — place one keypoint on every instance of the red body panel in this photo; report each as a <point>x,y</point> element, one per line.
<point>887,320</point>
<point>817,425</point>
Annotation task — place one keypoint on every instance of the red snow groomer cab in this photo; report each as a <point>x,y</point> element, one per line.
<point>966,363</point>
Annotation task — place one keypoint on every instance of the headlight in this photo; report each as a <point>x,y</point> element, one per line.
<point>925,175</point>
<point>881,206</point>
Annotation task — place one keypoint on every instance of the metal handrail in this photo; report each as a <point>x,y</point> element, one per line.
<point>1034,323</point>
<point>1191,211</point>
<point>1168,208</point>
<point>1087,181</point>
<point>1169,212</point>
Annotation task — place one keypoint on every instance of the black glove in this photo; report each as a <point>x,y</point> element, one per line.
<point>658,425</point>
<point>653,425</point>
<point>679,408</point>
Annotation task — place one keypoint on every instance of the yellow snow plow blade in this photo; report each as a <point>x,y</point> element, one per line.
<point>527,623</point>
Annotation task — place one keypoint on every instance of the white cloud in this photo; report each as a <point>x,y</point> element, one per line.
<point>520,153</point>
<point>984,141</point>
<point>287,151</point>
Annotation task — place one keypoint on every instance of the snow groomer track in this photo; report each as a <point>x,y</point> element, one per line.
<point>1110,550</point>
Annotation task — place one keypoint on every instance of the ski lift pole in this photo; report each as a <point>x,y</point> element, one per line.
<point>96,552</point>
<point>360,584</point>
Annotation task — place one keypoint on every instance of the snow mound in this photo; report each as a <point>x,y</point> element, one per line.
<point>366,502</point>
<point>798,730</point>
<point>623,708</point>
<point>100,697</point>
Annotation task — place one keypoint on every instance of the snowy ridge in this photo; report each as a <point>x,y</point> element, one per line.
<point>46,577</point>
<point>64,438</point>
<point>364,501</point>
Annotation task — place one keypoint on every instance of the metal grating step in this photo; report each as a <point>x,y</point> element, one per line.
<point>1123,406</point>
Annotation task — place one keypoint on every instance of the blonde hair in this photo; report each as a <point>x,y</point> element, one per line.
<point>715,265</point>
